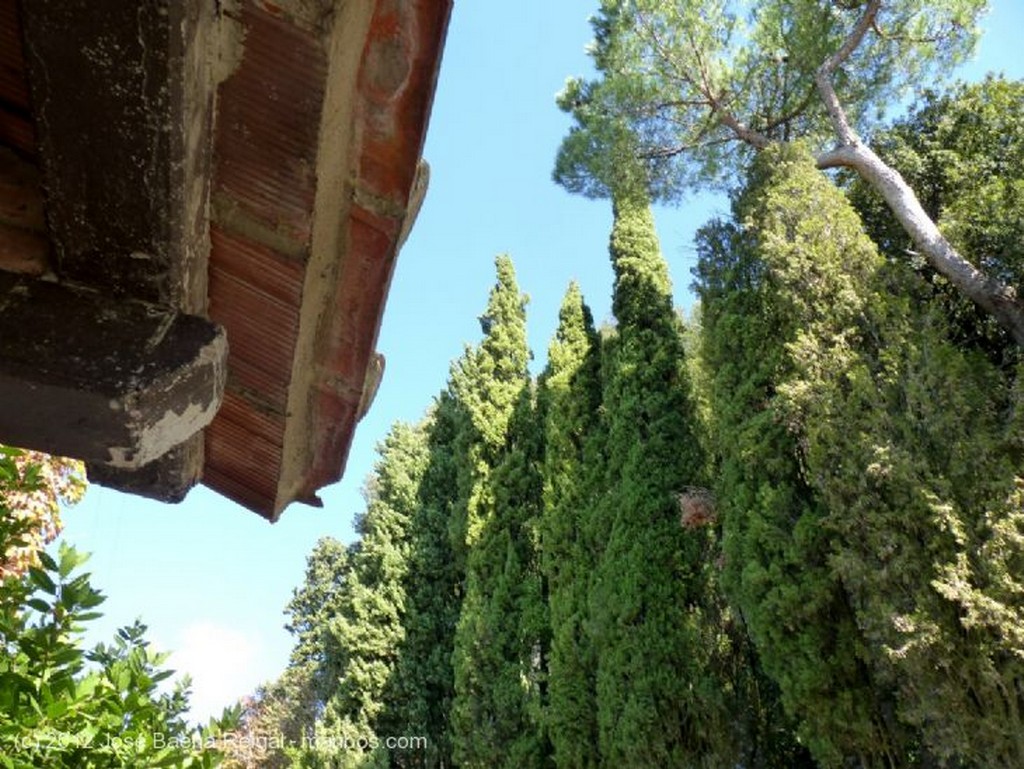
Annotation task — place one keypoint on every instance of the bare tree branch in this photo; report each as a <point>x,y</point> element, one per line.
<point>823,77</point>
<point>794,113</point>
<point>718,105</point>
<point>658,153</point>
<point>993,296</point>
<point>743,132</point>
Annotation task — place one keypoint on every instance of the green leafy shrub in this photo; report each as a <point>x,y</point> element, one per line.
<point>63,706</point>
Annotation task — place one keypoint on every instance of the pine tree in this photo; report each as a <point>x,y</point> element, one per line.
<point>570,394</point>
<point>963,150</point>
<point>650,576</point>
<point>493,718</point>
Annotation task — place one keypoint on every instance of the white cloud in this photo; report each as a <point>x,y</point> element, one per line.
<point>223,664</point>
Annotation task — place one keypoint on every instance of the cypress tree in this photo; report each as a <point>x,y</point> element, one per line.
<point>914,447</point>
<point>870,556</point>
<point>650,577</point>
<point>311,613</point>
<point>518,509</point>
<point>503,671</point>
<point>763,286</point>
<point>570,394</point>
<point>419,698</point>
<point>570,391</point>
<point>487,382</point>
<point>918,443</point>
<point>367,634</point>
<point>912,439</point>
<point>943,383</point>
<point>491,707</point>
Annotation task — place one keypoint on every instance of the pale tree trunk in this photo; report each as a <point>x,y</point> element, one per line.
<point>993,296</point>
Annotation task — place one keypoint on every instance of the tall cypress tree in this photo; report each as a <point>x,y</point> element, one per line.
<point>776,547</point>
<point>487,381</point>
<point>502,673</point>
<point>419,697</point>
<point>650,577</point>
<point>488,712</point>
<point>908,446</point>
<point>570,395</point>
<point>311,613</point>
<point>947,417</point>
<point>368,632</point>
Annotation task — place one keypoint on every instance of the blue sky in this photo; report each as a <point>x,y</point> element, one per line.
<point>210,579</point>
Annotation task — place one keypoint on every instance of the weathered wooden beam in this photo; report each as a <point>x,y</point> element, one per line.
<point>123,104</point>
<point>24,246</point>
<point>122,95</point>
<point>114,382</point>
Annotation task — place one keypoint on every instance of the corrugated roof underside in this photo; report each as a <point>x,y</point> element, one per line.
<point>267,132</point>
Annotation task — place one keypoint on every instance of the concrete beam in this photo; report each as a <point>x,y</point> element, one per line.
<point>123,96</point>
<point>167,479</point>
<point>116,383</point>
<point>24,246</point>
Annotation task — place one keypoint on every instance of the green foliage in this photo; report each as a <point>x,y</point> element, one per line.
<point>35,486</point>
<point>570,399</point>
<point>928,432</point>
<point>669,73</point>
<point>651,573</point>
<point>366,630</point>
<point>500,641</point>
<point>419,696</point>
<point>814,560</point>
<point>928,493</point>
<point>273,724</point>
<point>311,613</point>
<point>278,722</point>
<point>963,152</point>
<point>62,706</point>
<point>776,550</point>
<point>487,381</point>
<point>869,484</point>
